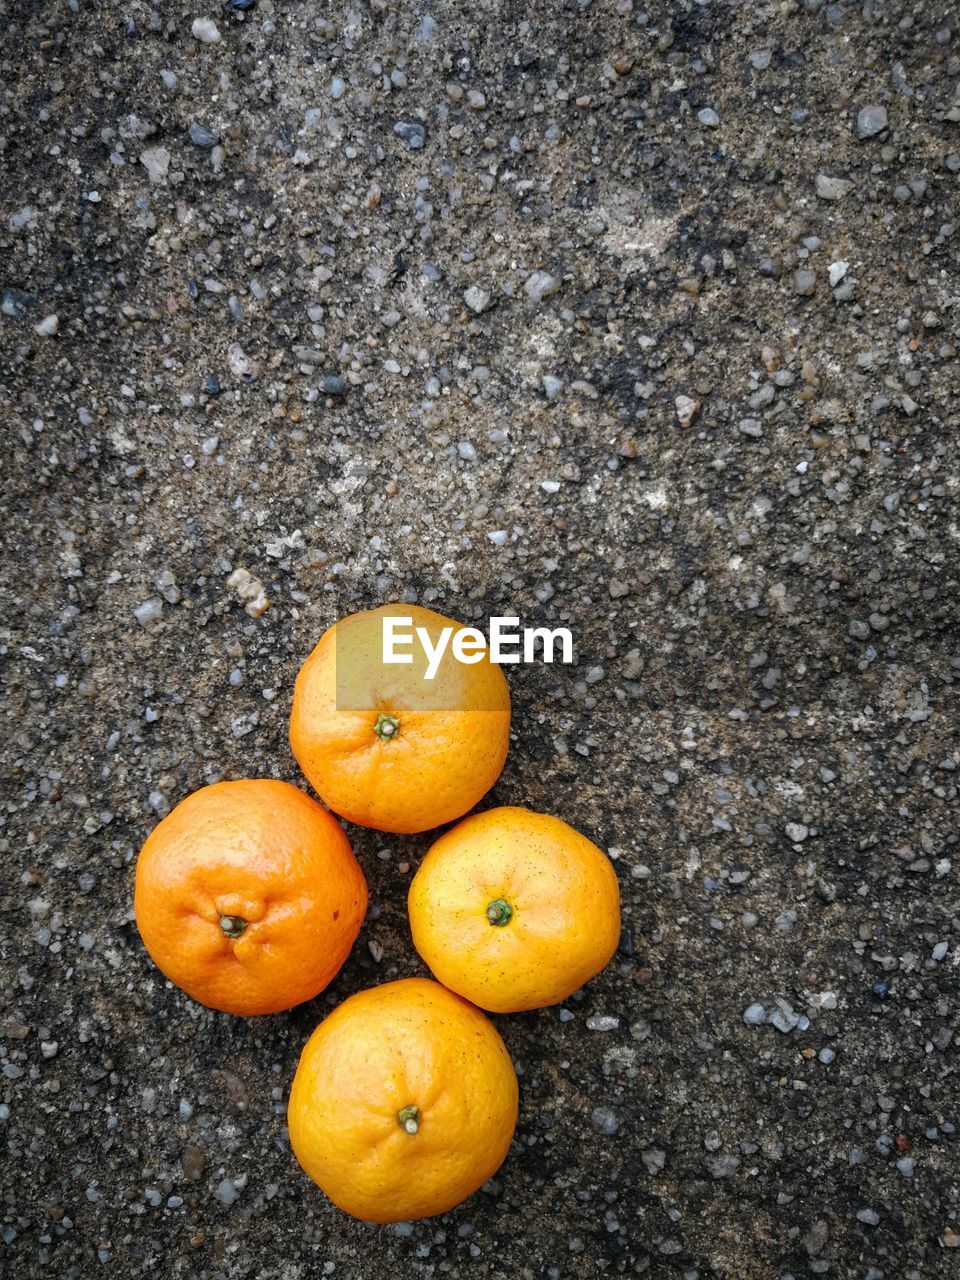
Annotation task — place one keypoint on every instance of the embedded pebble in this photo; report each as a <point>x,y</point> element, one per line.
<point>829,188</point>
<point>602,1022</point>
<point>837,271</point>
<point>201,136</point>
<point>478,300</point>
<point>227,1192</point>
<point>687,409</point>
<point>251,592</point>
<point>605,1120</point>
<point>871,120</point>
<point>540,285</point>
<point>150,611</point>
<point>166,584</point>
<point>156,161</point>
<point>783,1017</point>
<point>206,31</point>
<point>412,132</point>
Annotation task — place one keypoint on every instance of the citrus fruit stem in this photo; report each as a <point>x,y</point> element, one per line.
<point>233,926</point>
<point>499,912</point>
<point>387,727</point>
<point>408,1119</point>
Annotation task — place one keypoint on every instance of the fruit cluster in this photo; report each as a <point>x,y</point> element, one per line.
<point>248,896</point>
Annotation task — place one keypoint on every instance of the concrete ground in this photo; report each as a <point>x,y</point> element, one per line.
<point>639,320</point>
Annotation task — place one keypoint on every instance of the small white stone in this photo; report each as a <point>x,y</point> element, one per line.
<point>687,409</point>
<point>166,584</point>
<point>206,31</point>
<point>540,285</point>
<point>477,299</point>
<point>156,161</point>
<point>550,486</point>
<point>837,271</point>
<point>832,188</point>
<point>240,363</point>
<point>708,118</point>
<point>796,831</point>
<point>150,611</point>
<point>226,1192</point>
<point>602,1022</point>
<point>251,592</point>
<point>871,120</point>
<point>22,218</point>
<point>48,326</point>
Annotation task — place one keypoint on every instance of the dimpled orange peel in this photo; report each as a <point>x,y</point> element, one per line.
<point>404,1102</point>
<point>514,909</point>
<point>248,896</point>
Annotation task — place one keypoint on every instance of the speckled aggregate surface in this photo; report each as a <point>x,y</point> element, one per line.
<point>636,320</point>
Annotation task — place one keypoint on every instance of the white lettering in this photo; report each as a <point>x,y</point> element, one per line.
<point>434,653</point>
<point>501,636</point>
<point>469,646</point>
<point>391,640</point>
<point>507,642</point>
<point>548,639</point>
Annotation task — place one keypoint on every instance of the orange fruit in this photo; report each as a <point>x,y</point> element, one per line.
<point>387,748</point>
<point>514,909</point>
<point>248,896</point>
<point>404,1102</point>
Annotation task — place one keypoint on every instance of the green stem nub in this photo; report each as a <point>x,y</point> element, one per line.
<point>233,926</point>
<point>499,912</point>
<point>387,727</point>
<point>408,1118</point>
